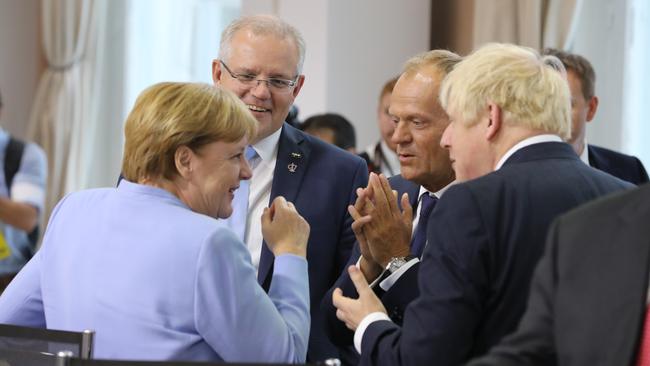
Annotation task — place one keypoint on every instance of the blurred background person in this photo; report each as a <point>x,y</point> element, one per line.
<point>381,156</point>
<point>584,103</point>
<point>22,196</point>
<point>148,266</point>
<point>332,128</point>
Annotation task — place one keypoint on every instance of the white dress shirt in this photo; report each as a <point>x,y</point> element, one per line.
<point>260,193</point>
<point>585,154</point>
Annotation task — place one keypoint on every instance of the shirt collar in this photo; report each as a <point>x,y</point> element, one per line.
<point>267,146</point>
<point>4,135</point>
<point>438,194</point>
<point>585,154</point>
<point>538,139</point>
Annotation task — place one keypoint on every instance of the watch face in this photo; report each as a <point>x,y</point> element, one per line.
<point>395,264</point>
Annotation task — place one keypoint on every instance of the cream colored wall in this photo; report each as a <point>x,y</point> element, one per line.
<point>353,47</point>
<point>21,61</point>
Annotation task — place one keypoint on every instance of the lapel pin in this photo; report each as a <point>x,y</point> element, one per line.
<point>296,155</point>
<point>292,167</point>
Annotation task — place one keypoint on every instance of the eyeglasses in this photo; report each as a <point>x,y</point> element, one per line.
<point>250,80</point>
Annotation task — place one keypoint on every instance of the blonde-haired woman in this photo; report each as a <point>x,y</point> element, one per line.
<point>148,266</point>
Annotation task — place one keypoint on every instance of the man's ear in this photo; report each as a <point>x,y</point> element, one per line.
<point>593,106</point>
<point>183,161</point>
<point>495,119</point>
<point>299,82</point>
<point>216,71</point>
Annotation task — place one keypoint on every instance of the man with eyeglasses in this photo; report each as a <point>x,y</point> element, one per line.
<point>260,60</point>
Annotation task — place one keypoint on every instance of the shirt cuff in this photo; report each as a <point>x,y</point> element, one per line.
<point>26,192</point>
<point>374,283</point>
<point>363,325</point>
<point>389,281</point>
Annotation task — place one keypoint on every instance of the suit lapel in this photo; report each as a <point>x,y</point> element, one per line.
<point>291,165</point>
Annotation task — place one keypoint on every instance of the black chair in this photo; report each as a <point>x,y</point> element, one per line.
<point>97,362</point>
<point>48,341</point>
<point>21,357</point>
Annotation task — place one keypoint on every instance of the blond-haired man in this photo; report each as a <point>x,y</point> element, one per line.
<point>509,110</point>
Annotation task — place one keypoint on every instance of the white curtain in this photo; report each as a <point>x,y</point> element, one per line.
<point>636,81</point>
<point>531,23</point>
<point>561,23</point>
<point>61,106</point>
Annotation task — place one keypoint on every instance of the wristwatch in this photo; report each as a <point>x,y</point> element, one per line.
<point>396,262</point>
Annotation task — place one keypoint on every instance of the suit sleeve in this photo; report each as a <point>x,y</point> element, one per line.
<point>347,238</point>
<point>532,342</point>
<point>335,329</point>
<point>231,309</point>
<point>440,324</point>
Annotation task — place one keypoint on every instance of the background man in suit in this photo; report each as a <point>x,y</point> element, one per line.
<point>589,295</point>
<point>584,103</point>
<point>426,172</point>
<point>509,109</point>
<point>260,60</point>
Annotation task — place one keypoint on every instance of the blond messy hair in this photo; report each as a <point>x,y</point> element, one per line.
<point>169,115</point>
<point>530,89</point>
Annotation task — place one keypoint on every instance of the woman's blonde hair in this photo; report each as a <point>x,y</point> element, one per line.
<point>169,115</point>
<point>530,89</point>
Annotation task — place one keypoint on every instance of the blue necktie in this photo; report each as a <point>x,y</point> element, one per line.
<point>427,204</point>
<point>237,221</point>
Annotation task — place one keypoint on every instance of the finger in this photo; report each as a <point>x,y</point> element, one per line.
<point>359,281</point>
<point>407,210</point>
<point>354,213</point>
<point>266,217</point>
<point>391,196</point>
<point>380,199</point>
<point>359,203</point>
<point>280,201</point>
<point>360,223</point>
<point>370,207</point>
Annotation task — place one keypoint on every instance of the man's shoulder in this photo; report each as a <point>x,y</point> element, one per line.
<point>606,153</point>
<point>634,202</point>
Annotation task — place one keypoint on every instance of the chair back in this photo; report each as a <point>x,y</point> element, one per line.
<point>22,357</point>
<point>49,341</point>
<point>98,362</point>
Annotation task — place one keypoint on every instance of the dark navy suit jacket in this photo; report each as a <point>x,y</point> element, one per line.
<point>622,166</point>
<point>395,300</point>
<point>485,237</point>
<point>588,296</point>
<point>321,181</point>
